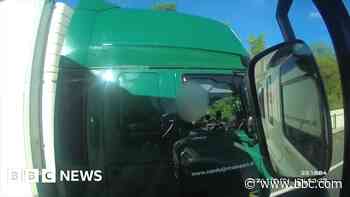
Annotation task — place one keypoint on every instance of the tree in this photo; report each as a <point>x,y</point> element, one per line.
<point>227,106</point>
<point>328,65</point>
<point>164,6</point>
<point>256,43</point>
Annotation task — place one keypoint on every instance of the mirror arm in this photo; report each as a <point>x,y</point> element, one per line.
<point>283,20</point>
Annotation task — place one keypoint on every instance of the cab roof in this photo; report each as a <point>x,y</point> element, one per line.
<point>110,36</point>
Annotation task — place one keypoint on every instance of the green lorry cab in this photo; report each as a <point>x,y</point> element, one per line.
<point>120,74</point>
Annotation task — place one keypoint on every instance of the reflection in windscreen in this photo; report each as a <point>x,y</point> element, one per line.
<point>113,121</point>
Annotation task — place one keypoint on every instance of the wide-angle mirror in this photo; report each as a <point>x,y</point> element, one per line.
<point>292,110</point>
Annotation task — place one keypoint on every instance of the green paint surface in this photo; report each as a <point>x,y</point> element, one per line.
<point>149,51</point>
<point>255,154</point>
<point>116,36</point>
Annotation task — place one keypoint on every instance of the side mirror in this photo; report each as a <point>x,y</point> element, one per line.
<point>291,109</point>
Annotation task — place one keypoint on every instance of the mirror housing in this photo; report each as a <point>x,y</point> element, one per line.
<point>291,111</point>
<point>283,21</point>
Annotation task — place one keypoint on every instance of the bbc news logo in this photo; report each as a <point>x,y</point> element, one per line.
<point>50,176</point>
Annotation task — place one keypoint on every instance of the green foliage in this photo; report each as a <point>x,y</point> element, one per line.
<point>327,62</point>
<point>164,7</point>
<point>256,43</point>
<point>227,105</point>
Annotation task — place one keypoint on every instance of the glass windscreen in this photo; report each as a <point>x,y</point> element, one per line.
<point>125,123</point>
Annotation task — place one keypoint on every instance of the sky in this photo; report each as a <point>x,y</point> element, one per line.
<point>250,17</point>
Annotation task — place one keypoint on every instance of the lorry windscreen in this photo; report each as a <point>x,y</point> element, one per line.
<point>103,123</point>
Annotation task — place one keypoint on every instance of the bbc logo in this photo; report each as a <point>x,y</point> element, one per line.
<point>28,176</point>
<point>50,176</point>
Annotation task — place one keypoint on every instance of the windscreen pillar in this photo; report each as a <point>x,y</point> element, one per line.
<point>61,17</point>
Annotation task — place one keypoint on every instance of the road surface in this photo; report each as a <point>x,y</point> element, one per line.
<point>337,161</point>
